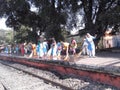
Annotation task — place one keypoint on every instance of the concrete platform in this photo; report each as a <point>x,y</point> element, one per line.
<point>105,67</point>
<point>104,61</point>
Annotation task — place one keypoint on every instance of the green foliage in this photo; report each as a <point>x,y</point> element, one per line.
<point>25,34</point>
<point>6,36</point>
<point>51,14</point>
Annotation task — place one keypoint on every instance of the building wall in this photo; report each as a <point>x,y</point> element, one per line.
<point>111,41</point>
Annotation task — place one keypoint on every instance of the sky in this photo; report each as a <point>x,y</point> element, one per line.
<point>2,24</point>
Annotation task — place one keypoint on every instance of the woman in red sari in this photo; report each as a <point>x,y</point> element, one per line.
<point>22,49</point>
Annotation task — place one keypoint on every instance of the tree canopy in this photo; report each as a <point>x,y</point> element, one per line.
<point>54,16</point>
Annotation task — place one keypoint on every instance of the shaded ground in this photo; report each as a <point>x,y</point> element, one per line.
<point>105,54</point>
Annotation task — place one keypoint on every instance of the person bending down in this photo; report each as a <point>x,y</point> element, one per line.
<point>73,45</point>
<point>65,46</point>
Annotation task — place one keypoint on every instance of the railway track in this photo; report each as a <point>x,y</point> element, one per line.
<point>63,87</point>
<point>4,87</point>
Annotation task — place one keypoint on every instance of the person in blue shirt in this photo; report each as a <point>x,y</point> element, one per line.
<point>91,45</point>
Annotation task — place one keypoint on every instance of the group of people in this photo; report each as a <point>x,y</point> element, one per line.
<point>52,49</point>
<point>56,49</point>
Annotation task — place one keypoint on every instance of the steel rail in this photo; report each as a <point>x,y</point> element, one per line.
<point>5,88</point>
<point>45,79</point>
<point>3,85</point>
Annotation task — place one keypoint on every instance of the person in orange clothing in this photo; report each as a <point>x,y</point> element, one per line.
<point>34,49</point>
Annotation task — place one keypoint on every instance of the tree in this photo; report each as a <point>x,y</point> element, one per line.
<point>100,14</point>
<point>97,15</point>
<point>46,20</point>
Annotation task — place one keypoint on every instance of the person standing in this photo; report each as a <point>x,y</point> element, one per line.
<point>22,49</point>
<point>45,47</point>
<point>85,46</point>
<point>91,45</point>
<point>40,52</point>
<point>17,49</point>
<point>59,49</point>
<point>6,49</point>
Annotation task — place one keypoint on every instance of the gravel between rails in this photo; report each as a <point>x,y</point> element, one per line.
<point>77,84</point>
<point>1,86</point>
<point>17,80</point>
